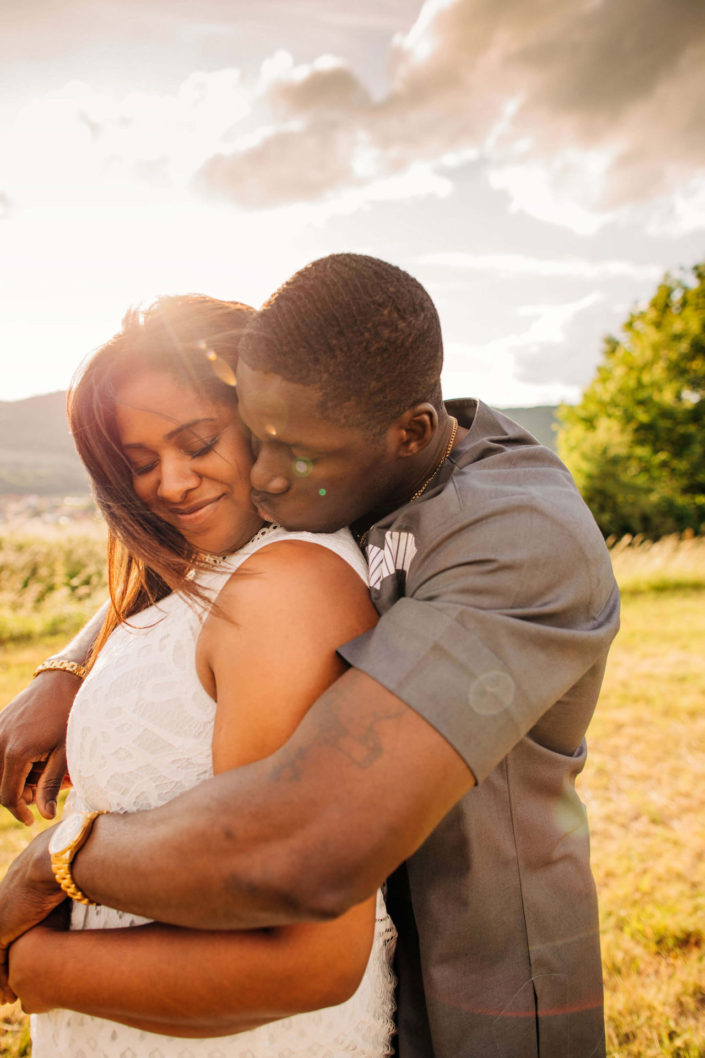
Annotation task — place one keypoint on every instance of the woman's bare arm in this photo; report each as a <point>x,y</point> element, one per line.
<point>190,983</point>
<point>269,655</point>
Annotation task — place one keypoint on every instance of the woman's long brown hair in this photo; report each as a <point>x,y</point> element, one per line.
<point>194,339</point>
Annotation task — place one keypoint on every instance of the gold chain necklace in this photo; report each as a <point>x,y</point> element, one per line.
<point>362,539</point>
<point>427,482</point>
<point>212,560</point>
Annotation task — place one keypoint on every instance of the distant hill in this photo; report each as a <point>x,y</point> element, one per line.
<point>36,451</point>
<point>539,421</point>
<point>37,454</point>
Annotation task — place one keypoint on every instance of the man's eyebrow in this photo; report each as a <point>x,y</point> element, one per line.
<point>177,430</point>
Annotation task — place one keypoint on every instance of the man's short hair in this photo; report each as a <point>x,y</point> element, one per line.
<point>363,333</point>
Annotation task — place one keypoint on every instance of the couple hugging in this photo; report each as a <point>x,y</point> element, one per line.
<point>321,806</point>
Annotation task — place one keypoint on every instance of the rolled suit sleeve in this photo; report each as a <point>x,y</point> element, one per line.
<point>508,607</point>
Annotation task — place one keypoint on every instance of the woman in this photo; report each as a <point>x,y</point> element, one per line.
<point>222,632</point>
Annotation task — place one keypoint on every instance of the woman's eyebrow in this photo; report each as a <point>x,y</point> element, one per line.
<point>190,425</point>
<point>177,430</point>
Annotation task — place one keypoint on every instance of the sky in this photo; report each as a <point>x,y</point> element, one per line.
<point>538,165</point>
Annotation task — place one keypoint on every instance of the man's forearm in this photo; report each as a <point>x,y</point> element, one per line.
<point>300,835</point>
<point>199,861</point>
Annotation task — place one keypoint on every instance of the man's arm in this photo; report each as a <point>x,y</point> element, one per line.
<point>304,834</point>
<point>484,649</point>
<point>33,733</point>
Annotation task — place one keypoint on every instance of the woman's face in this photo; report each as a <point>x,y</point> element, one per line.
<point>190,460</point>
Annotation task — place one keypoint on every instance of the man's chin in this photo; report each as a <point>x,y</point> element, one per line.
<point>302,524</point>
<point>301,521</point>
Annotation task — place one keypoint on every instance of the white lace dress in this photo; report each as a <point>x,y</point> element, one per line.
<point>139,734</point>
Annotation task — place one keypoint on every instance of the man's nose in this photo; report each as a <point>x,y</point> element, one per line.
<point>177,477</point>
<point>268,471</point>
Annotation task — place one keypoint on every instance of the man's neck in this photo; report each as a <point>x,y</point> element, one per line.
<point>418,475</point>
<point>434,456</point>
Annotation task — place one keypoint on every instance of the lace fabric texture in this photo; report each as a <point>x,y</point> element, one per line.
<point>139,734</point>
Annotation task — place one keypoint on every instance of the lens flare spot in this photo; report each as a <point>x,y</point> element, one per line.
<point>491,692</point>
<point>223,371</point>
<point>321,492</point>
<point>303,467</point>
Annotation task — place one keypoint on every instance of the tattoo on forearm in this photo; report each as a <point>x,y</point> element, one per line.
<point>340,727</point>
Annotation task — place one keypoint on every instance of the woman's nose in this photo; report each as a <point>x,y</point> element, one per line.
<point>267,474</point>
<point>177,477</point>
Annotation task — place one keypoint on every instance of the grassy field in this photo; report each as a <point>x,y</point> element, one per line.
<point>50,578</point>
<point>642,786</point>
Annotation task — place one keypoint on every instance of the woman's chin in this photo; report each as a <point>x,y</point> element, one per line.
<point>225,542</point>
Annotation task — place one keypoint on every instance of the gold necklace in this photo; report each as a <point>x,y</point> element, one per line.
<point>208,559</point>
<point>427,482</point>
<point>362,538</point>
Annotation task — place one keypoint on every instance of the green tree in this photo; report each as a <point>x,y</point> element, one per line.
<point>636,441</point>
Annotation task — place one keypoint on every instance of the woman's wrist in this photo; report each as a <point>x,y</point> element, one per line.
<point>29,970</point>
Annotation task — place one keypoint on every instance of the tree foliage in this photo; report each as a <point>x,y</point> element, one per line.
<point>636,442</point>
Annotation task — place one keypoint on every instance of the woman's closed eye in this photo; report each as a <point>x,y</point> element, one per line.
<point>204,449</point>
<point>142,468</point>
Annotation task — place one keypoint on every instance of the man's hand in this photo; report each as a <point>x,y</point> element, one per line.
<point>32,745</point>
<point>28,893</point>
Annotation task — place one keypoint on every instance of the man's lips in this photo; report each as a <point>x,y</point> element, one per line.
<point>263,509</point>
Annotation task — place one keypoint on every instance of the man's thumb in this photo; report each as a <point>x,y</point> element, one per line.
<point>50,783</point>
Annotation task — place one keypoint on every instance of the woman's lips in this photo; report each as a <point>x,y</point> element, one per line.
<point>195,513</point>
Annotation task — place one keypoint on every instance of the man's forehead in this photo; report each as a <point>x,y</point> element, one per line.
<point>273,406</point>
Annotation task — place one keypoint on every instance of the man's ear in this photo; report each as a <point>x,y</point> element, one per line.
<point>416,429</point>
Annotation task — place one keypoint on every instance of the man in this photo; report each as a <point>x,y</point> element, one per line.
<point>446,756</point>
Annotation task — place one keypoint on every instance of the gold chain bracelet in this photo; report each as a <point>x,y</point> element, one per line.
<point>62,665</point>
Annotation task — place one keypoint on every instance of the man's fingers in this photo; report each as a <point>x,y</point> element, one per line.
<point>50,781</point>
<point>6,993</point>
<point>14,776</point>
<point>35,773</point>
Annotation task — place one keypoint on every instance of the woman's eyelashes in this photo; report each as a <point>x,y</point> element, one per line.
<point>140,469</point>
<point>204,449</point>
<point>143,468</point>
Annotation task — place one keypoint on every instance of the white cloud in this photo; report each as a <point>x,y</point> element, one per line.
<point>676,214</point>
<point>562,267</point>
<point>550,321</point>
<point>469,372</point>
<point>538,363</point>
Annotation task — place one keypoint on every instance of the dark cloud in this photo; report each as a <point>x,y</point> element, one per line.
<point>611,57</point>
<point>627,75</point>
<point>512,81</point>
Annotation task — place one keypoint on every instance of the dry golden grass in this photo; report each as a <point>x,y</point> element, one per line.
<point>661,565</point>
<point>642,786</point>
